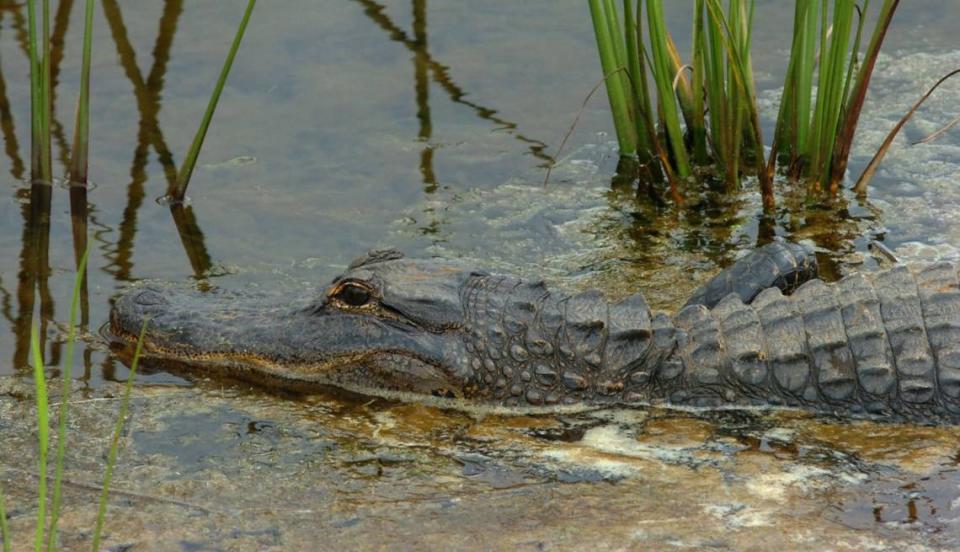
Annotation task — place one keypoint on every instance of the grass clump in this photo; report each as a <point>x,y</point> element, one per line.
<point>702,117</point>
<point>46,536</point>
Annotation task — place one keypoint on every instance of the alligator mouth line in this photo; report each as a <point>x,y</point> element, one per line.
<point>247,366</point>
<point>251,367</point>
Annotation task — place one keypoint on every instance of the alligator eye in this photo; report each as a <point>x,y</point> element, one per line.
<point>353,295</point>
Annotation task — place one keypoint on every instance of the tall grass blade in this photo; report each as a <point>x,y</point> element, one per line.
<point>858,95</point>
<point>4,529</point>
<point>115,443</point>
<point>855,51</point>
<point>636,73</point>
<point>664,75</point>
<point>681,85</point>
<point>698,123</point>
<point>66,377</point>
<point>45,160</point>
<point>613,75</point>
<point>714,56</point>
<point>741,87</point>
<point>39,91</point>
<point>793,120</point>
<point>179,190</point>
<point>81,131</point>
<point>43,435</point>
<point>861,186</point>
<point>785,133</point>
<point>830,91</point>
<point>648,143</point>
<point>36,93</point>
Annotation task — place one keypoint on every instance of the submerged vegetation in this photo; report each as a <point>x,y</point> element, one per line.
<point>704,117</point>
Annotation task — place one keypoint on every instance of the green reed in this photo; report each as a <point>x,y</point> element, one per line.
<point>711,119</point>
<point>4,529</point>
<point>79,163</point>
<point>43,432</point>
<point>43,435</point>
<point>178,189</point>
<point>115,443</point>
<point>40,108</point>
<point>66,377</point>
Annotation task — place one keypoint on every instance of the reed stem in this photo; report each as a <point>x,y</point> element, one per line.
<point>179,189</point>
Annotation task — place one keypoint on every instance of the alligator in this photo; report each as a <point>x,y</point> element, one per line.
<point>764,333</point>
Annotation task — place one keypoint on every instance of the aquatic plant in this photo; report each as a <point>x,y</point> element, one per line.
<point>66,379</point>
<point>42,531</point>
<point>704,114</point>
<point>41,104</point>
<point>178,188</point>
<point>39,92</point>
<point>79,163</point>
<point>43,435</point>
<point>115,442</point>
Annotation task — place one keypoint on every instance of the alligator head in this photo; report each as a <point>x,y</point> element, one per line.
<point>391,325</point>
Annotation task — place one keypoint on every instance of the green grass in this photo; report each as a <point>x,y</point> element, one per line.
<point>43,435</point>
<point>46,536</point>
<point>115,443</point>
<point>4,529</point>
<point>79,163</point>
<point>66,378</point>
<point>41,108</point>
<point>39,92</point>
<point>178,189</point>
<point>707,119</point>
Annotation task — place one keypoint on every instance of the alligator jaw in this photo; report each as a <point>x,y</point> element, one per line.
<point>294,344</point>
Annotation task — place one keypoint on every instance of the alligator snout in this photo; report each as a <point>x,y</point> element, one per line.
<point>134,307</point>
<point>144,302</point>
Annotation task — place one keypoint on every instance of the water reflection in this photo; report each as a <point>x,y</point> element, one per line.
<point>424,63</point>
<point>192,239</point>
<point>148,92</point>
<point>710,224</point>
<point>78,224</point>
<point>61,21</point>
<point>34,271</point>
<point>10,144</point>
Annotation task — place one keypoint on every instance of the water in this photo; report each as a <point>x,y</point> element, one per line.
<point>427,127</point>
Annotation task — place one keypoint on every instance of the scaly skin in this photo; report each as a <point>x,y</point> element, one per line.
<point>885,346</point>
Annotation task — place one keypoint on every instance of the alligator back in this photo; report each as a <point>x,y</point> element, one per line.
<point>885,344</point>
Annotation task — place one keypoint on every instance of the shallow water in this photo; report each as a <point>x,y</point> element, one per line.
<point>427,127</point>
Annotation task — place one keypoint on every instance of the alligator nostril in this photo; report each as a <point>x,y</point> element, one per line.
<point>148,298</point>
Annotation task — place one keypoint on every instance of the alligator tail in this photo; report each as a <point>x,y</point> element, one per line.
<point>885,346</point>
